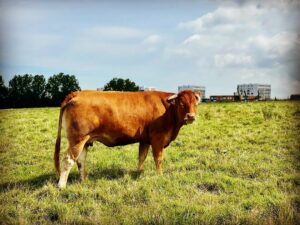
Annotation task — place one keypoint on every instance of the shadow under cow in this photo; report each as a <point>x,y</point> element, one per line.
<point>41,180</point>
<point>32,183</point>
<point>113,174</point>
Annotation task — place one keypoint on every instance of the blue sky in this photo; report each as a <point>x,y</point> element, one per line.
<point>217,44</point>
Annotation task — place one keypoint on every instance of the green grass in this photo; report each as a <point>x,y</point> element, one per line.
<point>238,164</point>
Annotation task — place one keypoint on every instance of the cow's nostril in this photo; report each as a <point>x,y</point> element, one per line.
<point>191,116</point>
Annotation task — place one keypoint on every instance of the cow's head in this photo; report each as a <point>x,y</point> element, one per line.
<point>186,104</point>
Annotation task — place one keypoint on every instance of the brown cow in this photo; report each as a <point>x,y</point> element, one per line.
<point>120,118</point>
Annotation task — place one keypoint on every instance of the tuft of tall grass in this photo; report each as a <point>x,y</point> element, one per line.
<point>267,113</point>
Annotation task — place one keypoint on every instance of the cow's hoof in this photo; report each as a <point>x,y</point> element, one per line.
<point>159,172</point>
<point>140,170</point>
<point>83,179</point>
<point>61,186</point>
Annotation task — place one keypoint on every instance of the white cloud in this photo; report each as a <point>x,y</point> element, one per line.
<point>193,38</point>
<point>239,35</point>
<point>114,32</point>
<point>279,44</point>
<point>152,43</point>
<point>225,19</point>
<point>221,36</point>
<point>152,39</point>
<point>222,60</point>
<point>114,41</point>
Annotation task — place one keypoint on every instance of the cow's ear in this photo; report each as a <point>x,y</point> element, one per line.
<point>198,98</point>
<point>172,99</point>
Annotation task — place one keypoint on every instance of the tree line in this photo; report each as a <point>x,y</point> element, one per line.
<point>35,91</point>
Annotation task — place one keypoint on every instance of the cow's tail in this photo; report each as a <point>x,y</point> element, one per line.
<point>57,144</point>
<point>65,103</point>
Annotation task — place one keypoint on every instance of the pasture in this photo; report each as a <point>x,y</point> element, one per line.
<point>237,164</point>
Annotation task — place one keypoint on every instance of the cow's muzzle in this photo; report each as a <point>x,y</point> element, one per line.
<point>189,118</point>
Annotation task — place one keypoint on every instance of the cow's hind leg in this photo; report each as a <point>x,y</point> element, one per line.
<point>81,164</point>
<point>68,163</point>
<point>71,156</point>
<point>143,151</point>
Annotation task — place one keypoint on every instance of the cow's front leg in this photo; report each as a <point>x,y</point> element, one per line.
<point>143,151</point>
<point>158,157</point>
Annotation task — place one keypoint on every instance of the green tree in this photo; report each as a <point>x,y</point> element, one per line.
<point>3,93</point>
<point>19,90</point>
<point>38,89</point>
<point>58,86</point>
<point>119,84</point>
<point>27,90</point>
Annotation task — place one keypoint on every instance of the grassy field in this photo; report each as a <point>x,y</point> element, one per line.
<point>238,164</point>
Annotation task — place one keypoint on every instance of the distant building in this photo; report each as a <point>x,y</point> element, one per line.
<point>195,88</point>
<point>143,88</point>
<point>295,97</point>
<point>222,98</point>
<point>100,89</point>
<point>263,91</point>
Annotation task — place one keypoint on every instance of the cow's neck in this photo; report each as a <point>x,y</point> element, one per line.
<point>174,122</point>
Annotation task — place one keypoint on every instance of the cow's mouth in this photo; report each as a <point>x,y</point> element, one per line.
<point>189,121</point>
<point>189,118</point>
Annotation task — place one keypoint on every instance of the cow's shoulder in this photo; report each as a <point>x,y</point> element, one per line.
<point>158,96</point>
